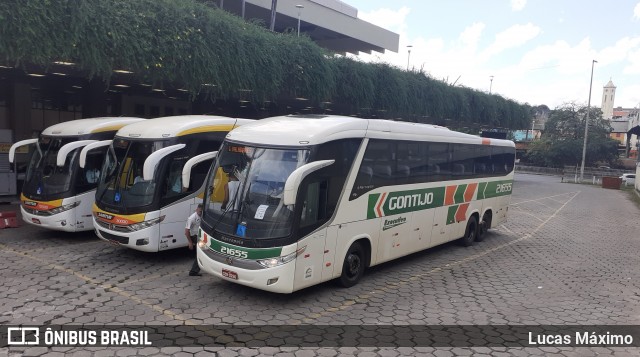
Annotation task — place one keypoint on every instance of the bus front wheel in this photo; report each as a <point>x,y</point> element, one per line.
<point>353,266</point>
<point>471,232</point>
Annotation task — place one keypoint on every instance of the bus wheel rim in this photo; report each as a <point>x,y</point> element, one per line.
<point>354,264</point>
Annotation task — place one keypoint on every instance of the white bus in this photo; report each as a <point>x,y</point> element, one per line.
<point>153,178</point>
<point>323,197</point>
<point>58,193</point>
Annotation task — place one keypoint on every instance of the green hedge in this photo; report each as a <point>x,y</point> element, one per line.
<point>187,43</point>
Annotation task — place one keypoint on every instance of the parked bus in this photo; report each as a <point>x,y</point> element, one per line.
<point>153,178</point>
<point>57,193</point>
<point>313,198</point>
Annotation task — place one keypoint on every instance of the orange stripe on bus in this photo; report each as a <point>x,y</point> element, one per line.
<point>449,193</point>
<point>384,195</point>
<point>471,189</point>
<point>461,214</point>
<point>486,141</point>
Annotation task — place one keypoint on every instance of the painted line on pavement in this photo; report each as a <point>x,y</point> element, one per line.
<point>544,198</point>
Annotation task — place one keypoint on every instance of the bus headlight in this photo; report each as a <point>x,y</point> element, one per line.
<point>64,208</point>
<point>146,224</point>
<point>274,262</point>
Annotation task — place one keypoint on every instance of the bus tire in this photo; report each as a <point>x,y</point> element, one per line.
<point>470,233</point>
<point>353,266</point>
<point>484,226</point>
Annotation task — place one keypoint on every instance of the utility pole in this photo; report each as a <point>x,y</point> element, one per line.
<point>274,5</point>
<point>586,124</point>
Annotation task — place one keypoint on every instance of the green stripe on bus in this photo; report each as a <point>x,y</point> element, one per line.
<point>498,188</point>
<point>451,214</point>
<point>459,196</point>
<point>481,187</point>
<point>238,252</point>
<point>416,200</point>
<point>371,208</point>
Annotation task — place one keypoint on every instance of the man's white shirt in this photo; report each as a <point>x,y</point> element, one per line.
<point>193,223</point>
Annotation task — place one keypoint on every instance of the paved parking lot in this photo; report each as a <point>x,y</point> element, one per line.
<point>567,256</point>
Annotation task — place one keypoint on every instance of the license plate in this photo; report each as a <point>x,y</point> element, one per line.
<point>35,220</point>
<point>229,274</point>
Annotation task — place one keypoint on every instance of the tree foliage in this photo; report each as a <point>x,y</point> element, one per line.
<point>563,138</point>
<point>190,44</point>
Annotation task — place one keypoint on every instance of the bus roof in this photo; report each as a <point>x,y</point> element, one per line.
<point>304,130</point>
<point>168,127</point>
<point>89,126</point>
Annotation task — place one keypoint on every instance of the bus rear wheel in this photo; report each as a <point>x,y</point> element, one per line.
<point>483,227</point>
<point>471,232</point>
<point>353,266</point>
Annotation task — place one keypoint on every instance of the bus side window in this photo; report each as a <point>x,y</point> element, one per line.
<point>314,206</point>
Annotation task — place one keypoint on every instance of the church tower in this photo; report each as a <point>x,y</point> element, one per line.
<point>608,97</point>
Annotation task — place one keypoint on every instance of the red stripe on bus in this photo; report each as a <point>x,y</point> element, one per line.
<point>471,189</point>
<point>448,197</point>
<point>461,214</point>
<point>384,195</point>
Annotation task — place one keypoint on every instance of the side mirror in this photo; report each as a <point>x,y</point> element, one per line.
<point>66,149</point>
<point>86,149</point>
<point>296,177</point>
<point>186,170</point>
<point>12,149</point>
<point>152,160</point>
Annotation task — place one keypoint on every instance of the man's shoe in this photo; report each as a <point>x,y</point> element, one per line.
<point>194,274</point>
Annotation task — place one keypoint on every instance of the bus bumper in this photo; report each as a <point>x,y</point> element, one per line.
<point>64,221</point>
<point>278,279</point>
<point>144,240</point>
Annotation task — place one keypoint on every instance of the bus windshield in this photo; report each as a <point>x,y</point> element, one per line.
<point>121,183</point>
<point>245,198</point>
<point>44,178</point>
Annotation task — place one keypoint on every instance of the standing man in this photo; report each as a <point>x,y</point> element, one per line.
<point>191,232</point>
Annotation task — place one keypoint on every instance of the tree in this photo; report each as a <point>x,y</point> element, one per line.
<point>562,141</point>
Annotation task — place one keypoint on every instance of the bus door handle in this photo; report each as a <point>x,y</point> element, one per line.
<point>416,229</point>
<point>394,235</point>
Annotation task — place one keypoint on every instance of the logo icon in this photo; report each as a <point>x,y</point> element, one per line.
<point>39,190</point>
<point>22,336</point>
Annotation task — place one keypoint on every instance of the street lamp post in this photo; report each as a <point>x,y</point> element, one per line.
<point>586,124</point>
<point>243,7</point>
<point>274,6</point>
<point>408,55</point>
<point>490,83</point>
<point>300,7</point>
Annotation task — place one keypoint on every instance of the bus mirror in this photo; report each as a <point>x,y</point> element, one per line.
<point>152,160</point>
<point>186,170</point>
<point>65,150</point>
<point>12,150</point>
<point>296,177</point>
<point>92,146</point>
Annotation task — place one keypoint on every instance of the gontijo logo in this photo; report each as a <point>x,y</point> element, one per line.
<point>388,204</point>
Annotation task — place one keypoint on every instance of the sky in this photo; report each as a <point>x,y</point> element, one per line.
<point>538,51</point>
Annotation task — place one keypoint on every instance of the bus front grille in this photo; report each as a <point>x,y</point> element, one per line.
<point>115,238</point>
